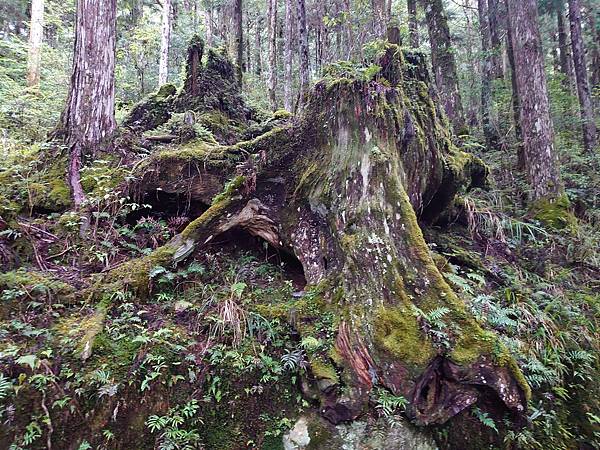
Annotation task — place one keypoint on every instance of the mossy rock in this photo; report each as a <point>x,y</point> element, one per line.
<point>554,213</point>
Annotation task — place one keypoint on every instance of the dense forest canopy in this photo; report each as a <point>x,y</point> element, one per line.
<point>299,224</point>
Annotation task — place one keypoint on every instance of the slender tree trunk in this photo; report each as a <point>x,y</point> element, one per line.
<point>594,24</point>
<point>583,87</point>
<point>247,66</point>
<point>238,38</point>
<point>516,102</point>
<point>444,64</point>
<point>288,100</point>
<point>272,80</point>
<point>566,66</point>
<point>36,34</point>
<point>303,48</point>
<point>348,33</point>
<point>89,115</point>
<point>258,47</point>
<point>208,26</point>
<point>413,25</point>
<point>165,39</point>
<point>489,131</point>
<point>495,12</point>
<point>536,125</point>
<point>379,22</point>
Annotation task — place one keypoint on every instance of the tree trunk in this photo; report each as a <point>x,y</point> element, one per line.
<point>304,68</point>
<point>258,46</point>
<point>288,97</point>
<point>444,64</point>
<point>489,130</point>
<point>496,11</point>
<point>379,23</point>
<point>208,26</point>
<point>594,23</point>
<point>566,66</point>
<point>413,25</point>
<point>36,34</point>
<point>165,39</point>
<point>516,102</point>
<point>583,87</point>
<point>536,125</point>
<point>89,115</point>
<point>346,33</point>
<point>272,80</point>
<point>247,66</point>
<point>238,38</point>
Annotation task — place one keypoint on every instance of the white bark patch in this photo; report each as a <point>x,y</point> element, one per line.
<point>365,171</point>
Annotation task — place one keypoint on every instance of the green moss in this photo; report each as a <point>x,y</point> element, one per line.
<point>554,213</point>
<point>397,332</point>
<point>323,370</point>
<point>231,187</point>
<point>281,114</point>
<point>166,90</point>
<point>93,326</point>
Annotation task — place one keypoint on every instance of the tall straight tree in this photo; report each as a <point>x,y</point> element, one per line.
<point>565,61</point>
<point>258,46</point>
<point>491,137</point>
<point>536,125</point>
<point>593,17</point>
<point>583,86</point>
<point>238,38</point>
<point>497,21</point>
<point>413,25</point>
<point>444,63</point>
<point>165,40</point>
<point>208,25</point>
<point>303,48</point>
<point>288,100</point>
<point>379,17</point>
<point>89,116</point>
<point>515,101</point>
<point>272,31</point>
<point>36,34</point>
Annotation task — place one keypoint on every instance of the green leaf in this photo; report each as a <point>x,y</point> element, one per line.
<point>29,360</point>
<point>238,289</point>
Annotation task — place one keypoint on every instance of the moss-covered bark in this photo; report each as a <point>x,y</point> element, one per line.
<point>342,188</point>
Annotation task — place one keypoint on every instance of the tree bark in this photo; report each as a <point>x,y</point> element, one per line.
<point>258,46</point>
<point>413,25</point>
<point>379,18</point>
<point>248,66</point>
<point>89,115</point>
<point>489,130</point>
<point>272,29</point>
<point>593,18</point>
<point>288,100</point>
<point>496,10</point>
<point>238,38</point>
<point>208,26</point>
<point>565,61</point>
<point>304,61</point>
<point>515,101</point>
<point>165,40</point>
<point>536,125</point>
<point>36,34</point>
<point>444,64</point>
<point>583,86</point>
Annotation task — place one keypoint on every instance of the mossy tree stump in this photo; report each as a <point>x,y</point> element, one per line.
<point>343,188</point>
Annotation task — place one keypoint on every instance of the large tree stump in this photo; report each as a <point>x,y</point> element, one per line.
<point>342,188</point>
